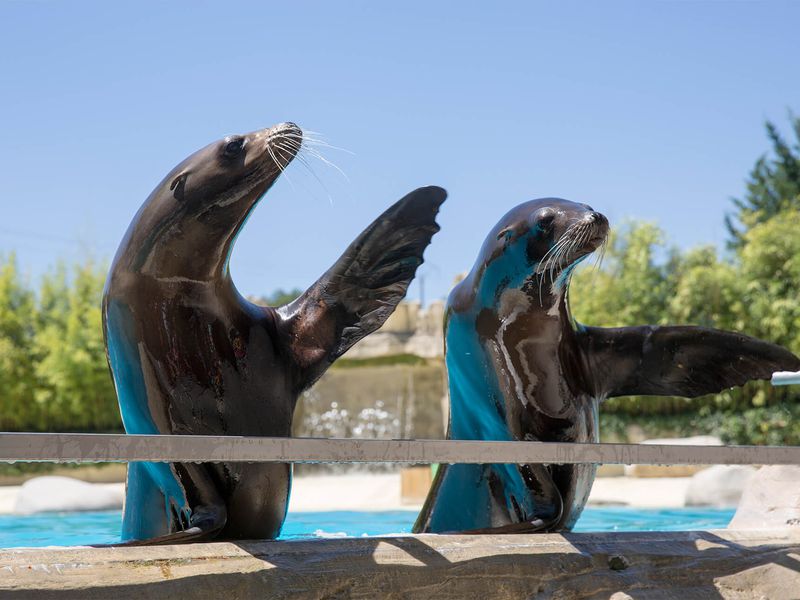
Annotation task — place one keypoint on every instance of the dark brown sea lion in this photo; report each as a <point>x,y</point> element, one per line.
<point>520,368</point>
<point>189,355</point>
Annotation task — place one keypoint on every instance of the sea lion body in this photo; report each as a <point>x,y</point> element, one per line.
<point>519,367</point>
<point>189,355</point>
<point>222,376</point>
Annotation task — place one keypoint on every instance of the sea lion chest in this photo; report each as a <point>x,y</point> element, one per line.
<point>190,358</point>
<point>514,374</point>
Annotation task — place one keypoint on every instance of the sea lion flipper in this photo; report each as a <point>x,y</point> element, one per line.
<point>678,361</point>
<point>359,292</point>
<point>207,513</point>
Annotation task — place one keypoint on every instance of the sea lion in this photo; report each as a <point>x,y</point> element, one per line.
<point>519,367</point>
<point>189,355</point>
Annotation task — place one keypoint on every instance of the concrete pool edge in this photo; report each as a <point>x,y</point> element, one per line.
<point>708,564</point>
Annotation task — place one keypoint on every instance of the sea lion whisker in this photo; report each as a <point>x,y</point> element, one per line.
<point>575,240</point>
<point>291,145</point>
<point>598,263</point>
<point>554,255</point>
<point>278,162</point>
<point>547,258</point>
<point>565,239</point>
<point>583,238</point>
<point>308,167</point>
<point>274,158</point>
<point>316,154</point>
<point>282,168</point>
<point>563,252</point>
<point>314,142</point>
<point>606,244</point>
<point>549,261</point>
<point>294,141</point>
<point>545,261</point>
<point>314,138</point>
<point>298,155</point>
<point>553,248</point>
<point>309,138</point>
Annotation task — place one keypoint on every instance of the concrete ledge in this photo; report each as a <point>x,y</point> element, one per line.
<point>705,564</point>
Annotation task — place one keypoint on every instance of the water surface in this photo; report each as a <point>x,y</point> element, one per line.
<point>80,528</point>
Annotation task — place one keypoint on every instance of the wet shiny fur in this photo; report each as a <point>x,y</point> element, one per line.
<point>520,368</point>
<point>189,355</point>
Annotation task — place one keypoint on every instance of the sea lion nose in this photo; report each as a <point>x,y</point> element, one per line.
<point>288,127</point>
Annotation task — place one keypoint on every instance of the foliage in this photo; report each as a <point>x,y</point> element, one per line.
<point>380,361</point>
<point>277,298</point>
<point>18,408</point>
<point>631,288</point>
<point>756,291</point>
<point>772,426</point>
<point>74,386</point>
<point>53,370</point>
<point>773,186</point>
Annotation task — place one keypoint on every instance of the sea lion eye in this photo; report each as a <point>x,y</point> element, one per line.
<point>233,147</point>
<point>545,220</point>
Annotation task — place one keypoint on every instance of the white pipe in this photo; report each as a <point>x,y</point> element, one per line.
<point>786,378</point>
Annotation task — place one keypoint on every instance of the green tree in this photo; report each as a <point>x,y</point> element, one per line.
<point>18,408</point>
<point>773,186</point>
<point>277,298</point>
<point>707,292</point>
<point>75,390</point>
<point>770,272</point>
<point>631,288</point>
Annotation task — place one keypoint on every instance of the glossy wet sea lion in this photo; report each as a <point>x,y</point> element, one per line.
<point>189,355</point>
<point>520,368</point>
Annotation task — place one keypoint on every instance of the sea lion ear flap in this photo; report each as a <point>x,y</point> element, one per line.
<point>676,361</point>
<point>359,292</point>
<point>178,185</point>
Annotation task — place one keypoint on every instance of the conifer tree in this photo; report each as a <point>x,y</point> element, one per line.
<point>773,186</point>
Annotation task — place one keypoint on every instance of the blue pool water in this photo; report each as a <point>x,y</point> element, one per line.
<point>70,529</point>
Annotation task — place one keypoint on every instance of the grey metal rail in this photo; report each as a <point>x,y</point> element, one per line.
<point>88,447</point>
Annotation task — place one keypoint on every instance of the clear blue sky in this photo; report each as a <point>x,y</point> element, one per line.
<point>645,110</point>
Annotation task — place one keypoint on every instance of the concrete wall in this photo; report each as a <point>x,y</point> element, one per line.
<point>409,330</point>
<point>401,401</point>
<point>681,565</point>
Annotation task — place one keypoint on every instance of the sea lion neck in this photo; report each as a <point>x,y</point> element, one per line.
<point>172,245</point>
<point>508,275</point>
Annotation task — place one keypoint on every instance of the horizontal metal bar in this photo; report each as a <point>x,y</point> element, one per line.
<point>786,378</point>
<point>92,447</point>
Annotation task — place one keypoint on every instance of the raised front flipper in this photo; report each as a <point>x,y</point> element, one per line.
<point>677,361</point>
<point>358,293</point>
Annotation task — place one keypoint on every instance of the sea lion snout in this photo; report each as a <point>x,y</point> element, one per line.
<point>599,226</point>
<point>572,225</point>
<point>288,130</point>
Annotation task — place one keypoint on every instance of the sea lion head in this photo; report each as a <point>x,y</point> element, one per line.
<point>237,168</point>
<point>535,246</point>
<point>188,224</point>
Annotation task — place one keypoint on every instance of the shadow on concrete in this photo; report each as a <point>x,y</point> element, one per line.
<point>589,566</point>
